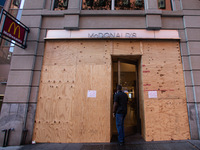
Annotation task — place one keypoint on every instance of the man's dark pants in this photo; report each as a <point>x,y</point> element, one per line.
<point>120,126</point>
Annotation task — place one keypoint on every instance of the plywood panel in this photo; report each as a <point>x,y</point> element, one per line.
<point>58,74</point>
<point>71,68</point>
<point>97,53</point>
<point>64,112</point>
<point>92,114</point>
<point>167,122</point>
<point>126,47</point>
<point>60,54</point>
<point>167,82</point>
<point>162,72</point>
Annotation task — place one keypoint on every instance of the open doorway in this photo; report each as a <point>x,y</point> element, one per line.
<point>125,73</point>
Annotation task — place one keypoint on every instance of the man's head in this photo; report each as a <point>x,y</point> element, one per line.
<point>119,87</point>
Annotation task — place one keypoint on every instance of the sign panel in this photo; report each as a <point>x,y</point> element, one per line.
<point>152,94</point>
<point>112,34</point>
<point>13,30</point>
<point>92,93</point>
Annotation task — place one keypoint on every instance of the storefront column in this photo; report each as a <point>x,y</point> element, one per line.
<point>74,4</point>
<point>153,15</point>
<point>151,4</point>
<point>192,71</point>
<point>19,104</point>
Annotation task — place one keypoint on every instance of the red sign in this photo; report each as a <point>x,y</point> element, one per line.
<point>13,30</point>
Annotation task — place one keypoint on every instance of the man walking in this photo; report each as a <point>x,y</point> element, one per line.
<point>119,111</point>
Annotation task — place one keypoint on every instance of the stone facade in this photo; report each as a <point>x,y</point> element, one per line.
<point>20,101</point>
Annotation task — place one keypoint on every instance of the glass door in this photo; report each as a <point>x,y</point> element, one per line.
<point>125,74</point>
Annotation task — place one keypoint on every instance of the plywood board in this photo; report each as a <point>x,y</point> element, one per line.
<point>167,122</point>
<point>163,73</point>
<point>91,114</point>
<point>66,114</point>
<point>126,47</point>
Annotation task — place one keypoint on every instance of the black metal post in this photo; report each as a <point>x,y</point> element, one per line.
<point>8,135</point>
<point>24,135</point>
<point>7,138</point>
<point>5,135</point>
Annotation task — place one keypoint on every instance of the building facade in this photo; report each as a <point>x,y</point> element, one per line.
<point>6,49</point>
<point>60,88</point>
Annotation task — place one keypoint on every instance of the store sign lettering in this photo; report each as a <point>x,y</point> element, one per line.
<point>112,35</point>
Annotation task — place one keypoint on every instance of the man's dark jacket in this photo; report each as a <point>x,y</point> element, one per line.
<point>122,99</point>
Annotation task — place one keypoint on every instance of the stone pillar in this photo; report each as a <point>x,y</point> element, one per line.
<point>153,15</point>
<point>176,5</point>
<point>74,4</point>
<point>72,21</point>
<point>151,4</point>
<point>191,61</point>
<point>20,99</point>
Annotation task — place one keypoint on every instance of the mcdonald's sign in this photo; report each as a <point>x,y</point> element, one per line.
<point>14,30</point>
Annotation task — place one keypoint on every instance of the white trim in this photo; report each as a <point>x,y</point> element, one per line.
<point>112,34</point>
<point>173,5</point>
<point>113,5</point>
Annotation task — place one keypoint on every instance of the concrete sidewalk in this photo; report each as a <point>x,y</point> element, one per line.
<point>164,145</point>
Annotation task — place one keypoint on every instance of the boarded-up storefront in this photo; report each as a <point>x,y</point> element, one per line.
<point>76,90</point>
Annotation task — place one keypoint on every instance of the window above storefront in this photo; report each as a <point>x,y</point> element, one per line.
<point>60,4</point>
<point>14,7</point>
<point>96,5</point>
<point>5,54</point>
<point>165,5</point>
<point>112,4</point>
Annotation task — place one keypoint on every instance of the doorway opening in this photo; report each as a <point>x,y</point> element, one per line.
<point>125,73</point>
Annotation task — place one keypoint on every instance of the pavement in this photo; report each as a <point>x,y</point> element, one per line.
<point>132,143</point>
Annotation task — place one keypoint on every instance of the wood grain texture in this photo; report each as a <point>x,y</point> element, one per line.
<point>64,112</point>
<point>72,67</point>
<point>166,116</point>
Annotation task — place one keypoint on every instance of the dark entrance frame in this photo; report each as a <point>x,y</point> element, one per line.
<point>129,60</point>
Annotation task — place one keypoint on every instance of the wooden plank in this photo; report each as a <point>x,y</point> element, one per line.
<point>64,112</point>
<point>94,53</point>
<point>62,53</point>
<point>126,47</point>
<point>58,74</point>
<point>166,121</point>
<point>162,72</point>
<point>169,82</point>
<point>92,114</point>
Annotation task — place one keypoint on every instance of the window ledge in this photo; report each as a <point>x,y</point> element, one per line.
<point>60,13</point>
<point>178,13</point>
<point>113,12</point>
